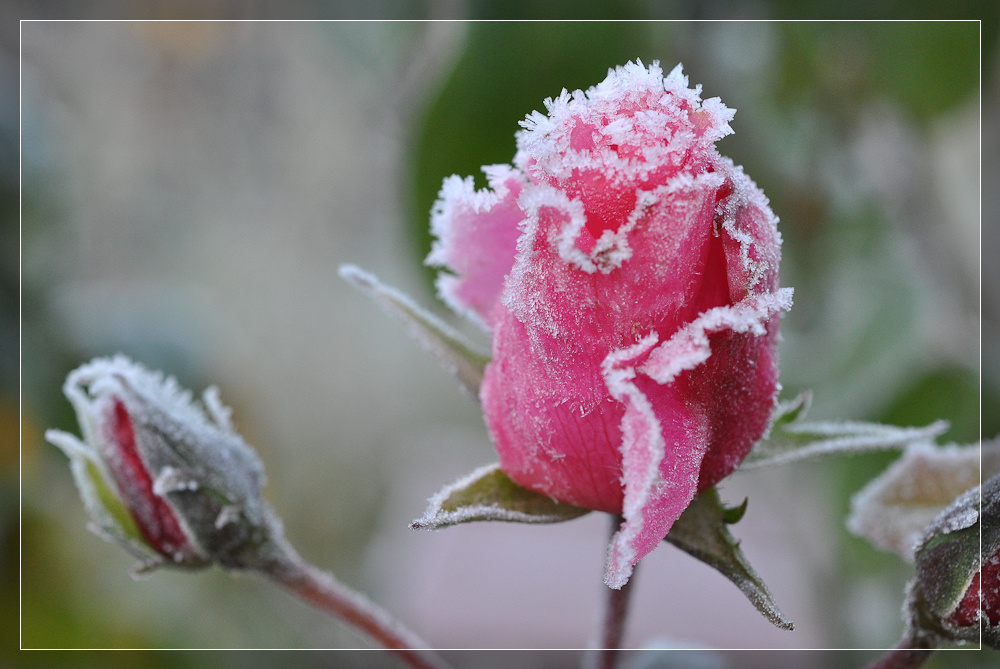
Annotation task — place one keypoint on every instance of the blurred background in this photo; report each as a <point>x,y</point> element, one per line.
<point>189,190</point>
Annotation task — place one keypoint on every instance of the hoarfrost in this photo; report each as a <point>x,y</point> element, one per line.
<point>229,514</point>
<point>802,440</point>
<point>689,347</point>
<point>661,105</point>
<point>475,240</point>
<point>173,480</point>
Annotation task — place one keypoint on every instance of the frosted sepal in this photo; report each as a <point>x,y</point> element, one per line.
<point>489,494</point>
<point>702,533</point>
<point>790,438</point>
<point>452,350</point>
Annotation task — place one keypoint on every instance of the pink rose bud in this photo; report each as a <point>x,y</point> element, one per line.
<point>186,487</point>
<point>629,276</point>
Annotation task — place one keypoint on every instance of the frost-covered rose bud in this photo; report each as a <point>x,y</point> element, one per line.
<point>629,276</point>
<point>956,592</point>
<point>161,474</point>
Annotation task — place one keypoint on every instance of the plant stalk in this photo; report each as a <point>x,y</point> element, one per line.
<point>608,637</point>
<point>907,654</point>
<point>328,594</point>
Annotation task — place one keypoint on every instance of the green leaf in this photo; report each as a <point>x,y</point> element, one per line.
<point>701,532</point>
<point>489,494</point>
<point>451,349</point>
<point>790,438</point>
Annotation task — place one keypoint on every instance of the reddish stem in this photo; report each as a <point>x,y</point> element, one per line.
<point>907,654</point>
<point>612,630</point>
<point>325,592</point>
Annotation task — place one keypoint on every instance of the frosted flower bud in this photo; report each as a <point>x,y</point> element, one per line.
<point>628,274</point>
<point>163,475</point>
<point>956,592</point>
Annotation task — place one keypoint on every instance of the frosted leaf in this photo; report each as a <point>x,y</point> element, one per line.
<point>791,439</point>
<point>788,411</point>
<point>489,494</point>
<point>451,349</point>
<point>702,532</point>
<point>893,510</point>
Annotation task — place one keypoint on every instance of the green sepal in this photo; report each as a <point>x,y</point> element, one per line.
<point>734,514</point>
<point>489,494</point>
<point>702,533</point>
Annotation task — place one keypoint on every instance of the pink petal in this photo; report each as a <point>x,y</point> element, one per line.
<point>664,438</point>
<point>724,361</point>
<point>566,446</point>
<point>689,347</point>
<point>476,238</point>
<point>153,516</point>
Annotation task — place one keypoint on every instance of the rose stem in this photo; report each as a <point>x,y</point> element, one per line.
<point>325,592</point>
<point>907,654</point>
<point>612,628</point>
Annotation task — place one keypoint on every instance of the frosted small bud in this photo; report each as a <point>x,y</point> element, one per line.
<point>956,592</point>
<point>157,470</point>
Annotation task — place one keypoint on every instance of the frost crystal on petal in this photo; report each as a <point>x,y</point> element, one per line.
<point>476,234</point>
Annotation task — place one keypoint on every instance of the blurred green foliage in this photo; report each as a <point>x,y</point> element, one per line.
<point>924,67</point>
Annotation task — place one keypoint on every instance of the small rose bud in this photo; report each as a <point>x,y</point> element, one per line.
<point>956,592</point>
<point>628,274</point>
<point>161,474</point>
